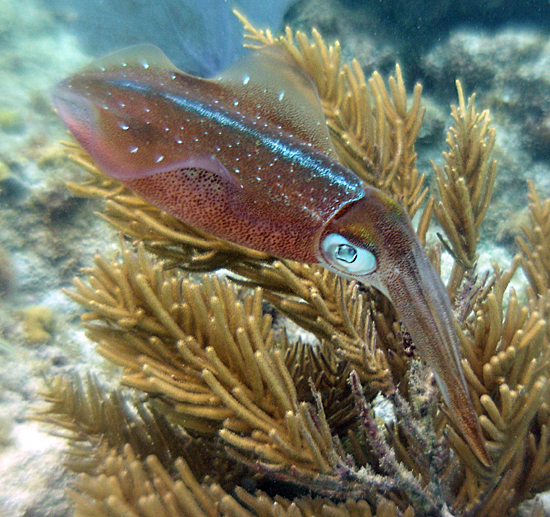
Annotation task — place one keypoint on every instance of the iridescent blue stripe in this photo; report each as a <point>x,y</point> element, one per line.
<point>334,172</point>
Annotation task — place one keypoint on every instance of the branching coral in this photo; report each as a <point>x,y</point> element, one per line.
<point>100,425</point>
<point>535,244</point>
<point>465,182</point>
<point>217,376</point>
<point>213,359</point>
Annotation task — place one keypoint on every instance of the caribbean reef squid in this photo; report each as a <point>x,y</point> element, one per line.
<point>247,157</point>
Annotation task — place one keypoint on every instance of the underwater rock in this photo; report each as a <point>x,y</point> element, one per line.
<point>411,28</point>
<point>485,62</point>
<point>508,70</point>
<point>10,120</point>
<point>7,278</point>
<point>39,323</point>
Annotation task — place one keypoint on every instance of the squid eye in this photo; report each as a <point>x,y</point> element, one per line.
<point>346,257</point>
<point>346,253</point>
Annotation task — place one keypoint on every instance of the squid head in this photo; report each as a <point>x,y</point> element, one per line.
<point>372,240</point>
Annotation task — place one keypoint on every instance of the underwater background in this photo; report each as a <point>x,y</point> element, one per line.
<point>499,50</point>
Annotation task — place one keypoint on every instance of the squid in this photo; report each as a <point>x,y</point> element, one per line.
<point>247,157</point>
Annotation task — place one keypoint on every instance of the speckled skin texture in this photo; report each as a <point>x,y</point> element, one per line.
<point>227,155</point>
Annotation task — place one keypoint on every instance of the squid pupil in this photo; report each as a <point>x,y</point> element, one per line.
<point>346,253</point>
